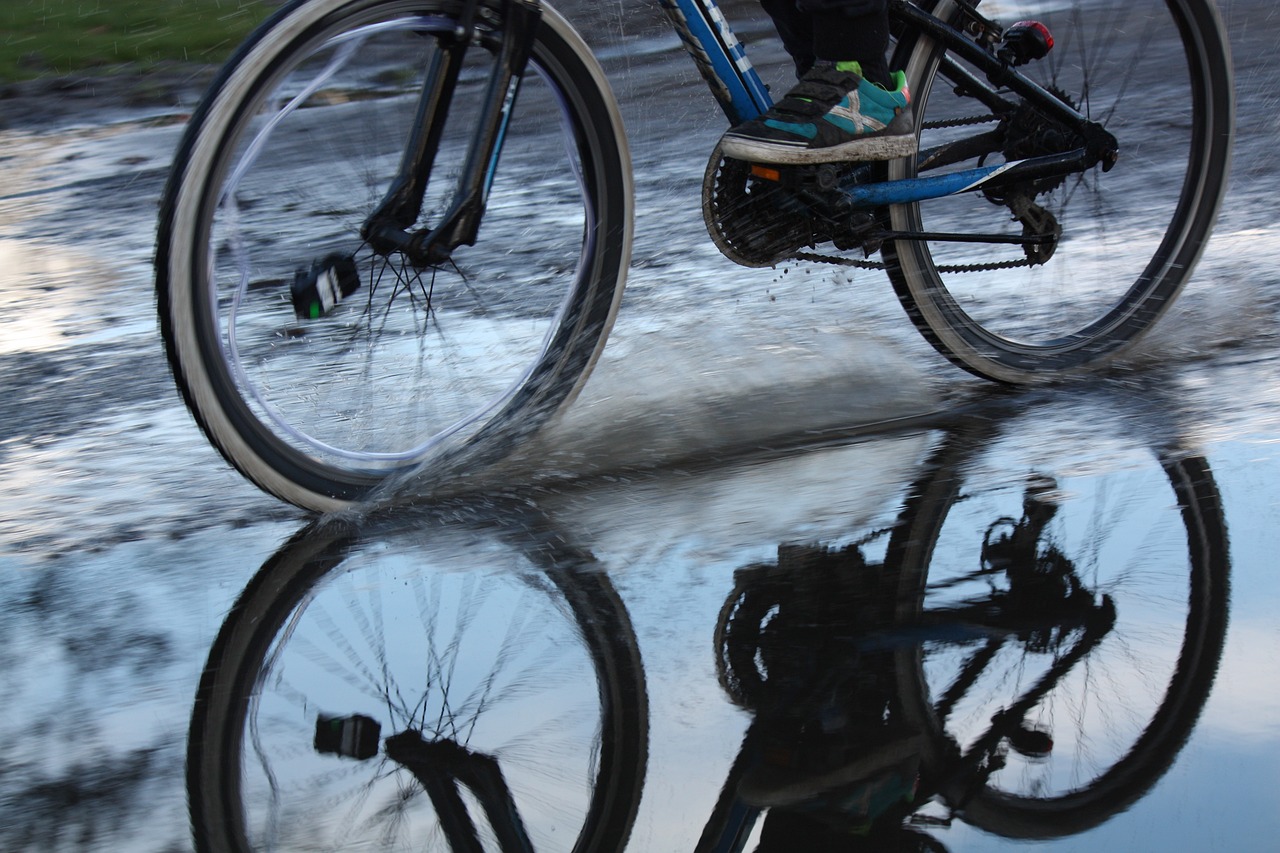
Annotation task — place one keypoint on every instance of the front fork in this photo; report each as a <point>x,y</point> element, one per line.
<point>390,227</point>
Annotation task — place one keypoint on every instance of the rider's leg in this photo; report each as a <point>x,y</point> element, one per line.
<point>852,32</point>
<point>795,28</point>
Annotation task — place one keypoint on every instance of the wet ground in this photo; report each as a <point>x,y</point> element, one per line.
<point>703,617</point>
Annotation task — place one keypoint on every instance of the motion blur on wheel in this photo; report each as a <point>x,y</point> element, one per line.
<point>1093,258</point>
<point>330,319</point>
<point>417,684</point>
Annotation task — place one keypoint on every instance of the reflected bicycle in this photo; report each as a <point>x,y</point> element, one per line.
<point>1035,651</point>
<point>397,227</point>
<point>1029,658</point>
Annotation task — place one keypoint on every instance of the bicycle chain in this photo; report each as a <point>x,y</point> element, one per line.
<point>880,265</point>
<point>959,122</point>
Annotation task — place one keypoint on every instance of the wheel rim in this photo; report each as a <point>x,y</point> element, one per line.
<point>1119,715</point>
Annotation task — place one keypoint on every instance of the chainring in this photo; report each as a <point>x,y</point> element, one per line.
<point>753,222</point>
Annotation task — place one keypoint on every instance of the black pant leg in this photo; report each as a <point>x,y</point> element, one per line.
<point>795,29</point>
<point>835,30</point>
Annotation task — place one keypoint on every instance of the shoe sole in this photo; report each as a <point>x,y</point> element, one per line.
<point>866,149</point>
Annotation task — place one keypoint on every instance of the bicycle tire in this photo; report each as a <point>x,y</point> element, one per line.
<point>295,142</point>
<point>757,591</point>
<point>1157,745</point>
<point>1130,238</point>
<point>244,751</point>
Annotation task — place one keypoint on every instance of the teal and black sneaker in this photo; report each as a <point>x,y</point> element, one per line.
<point>833,115</point>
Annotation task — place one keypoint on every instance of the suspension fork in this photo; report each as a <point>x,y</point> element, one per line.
<point>388,228</point>
<point>441,767</point>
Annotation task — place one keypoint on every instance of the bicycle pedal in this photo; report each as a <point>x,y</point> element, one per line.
<point>824,177</point>
<point>318,290</point>
<point>355,736</point>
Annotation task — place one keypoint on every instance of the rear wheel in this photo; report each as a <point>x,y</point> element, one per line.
<point>1096,731</point>
<point>1157,76</point>
<point>295,145</point>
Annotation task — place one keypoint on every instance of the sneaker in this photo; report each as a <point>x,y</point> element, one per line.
<point>831,116</point>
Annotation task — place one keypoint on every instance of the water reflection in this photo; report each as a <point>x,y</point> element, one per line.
<point>1025,647</point>
<point>1029,657</point>
<point>421,684</point>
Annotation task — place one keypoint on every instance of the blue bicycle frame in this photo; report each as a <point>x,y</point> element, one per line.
<point>720,57</point>
<point>723,63</point>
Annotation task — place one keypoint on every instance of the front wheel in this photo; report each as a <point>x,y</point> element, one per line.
<point>297,142</point>
<point>420,684</point>
<point>1157,75</point>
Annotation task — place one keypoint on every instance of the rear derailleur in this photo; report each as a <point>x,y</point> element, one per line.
<point>1040,227</point>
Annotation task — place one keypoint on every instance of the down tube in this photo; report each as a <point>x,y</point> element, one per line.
<point>720,57</point>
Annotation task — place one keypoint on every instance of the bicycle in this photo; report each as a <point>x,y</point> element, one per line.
<point>992,673</point>
<point>372,251</point>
